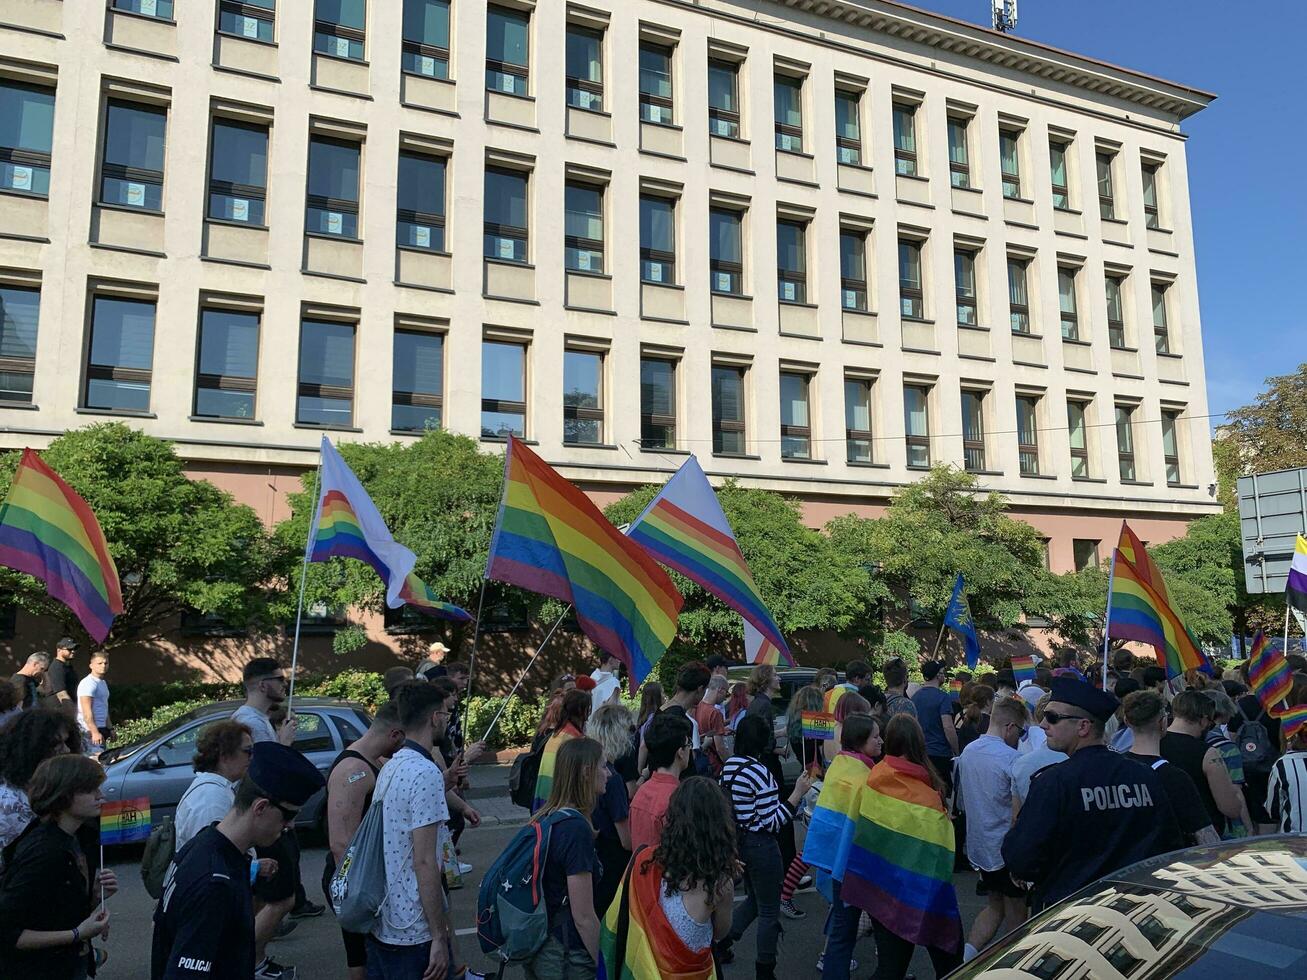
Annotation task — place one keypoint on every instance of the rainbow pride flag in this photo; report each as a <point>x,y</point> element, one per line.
<point>1268,673</point>
<point>1292,720</point>
<point>1132,549</point>
<point>758,649</point>
<point>900,865</point>
<point>955,688</point>
<point>548,759</point>
<point>125,821</point>
<point>818,725</point>
<point>1023,668</point>
<point>685,529</point>
<point>835,815</point>
<point>49,532</point>
<point>833,696</point>
<point>636,939</point>
<point>1139,612</point>
<point>551,538</point>
<point>418,594</point>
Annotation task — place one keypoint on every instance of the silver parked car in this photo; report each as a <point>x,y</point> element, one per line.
<point>159,765</point>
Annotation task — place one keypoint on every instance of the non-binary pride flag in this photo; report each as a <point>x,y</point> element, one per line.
<point>685,529</point>
<point>125,821</point>
<point>1268,673</point>
<point>551,538</point>
<point>818,725</point>
<point>1295,589</point>
<point>1139,612</point>
<point>49,532</point>
<point>1023,668</point>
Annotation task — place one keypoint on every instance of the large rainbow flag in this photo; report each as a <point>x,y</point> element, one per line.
<point>49,532</point>
<point>1138,612</point>
<point>551,538</point>
<point>835,815</point>
<point>1268,673</point>
<point>1132,549</point>
<point>125,821</point>
<point>548,759</point>
<point>758,649</point>
<point>900,865</point>
<point>685,528</point>
<point>636,940</point>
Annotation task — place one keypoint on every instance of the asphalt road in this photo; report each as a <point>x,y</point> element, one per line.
<point>315,946</point>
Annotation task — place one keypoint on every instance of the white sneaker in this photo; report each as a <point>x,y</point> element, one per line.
<point>464,869</point>
<point>821,962</point>
<point>270,969</point>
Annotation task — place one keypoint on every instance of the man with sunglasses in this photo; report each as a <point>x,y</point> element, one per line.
<point>1091,815</point>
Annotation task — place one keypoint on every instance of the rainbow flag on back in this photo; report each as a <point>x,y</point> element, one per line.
<point>548,759</point>
<point>552,539</point>
<point>1023,668</point>
<point>830,831</point>
<point>900,865</point>
<point>1139,612</point>
<point>636,940</point>
<point>125,821</point>
<point>1268,673</point>
<point>49,532</point>
<point>818,725</point>
<point>685,529</point>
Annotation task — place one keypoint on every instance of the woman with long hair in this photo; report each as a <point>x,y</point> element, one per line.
<point>549,717</point>
<point>28,741</point>
<point>610,726</point>
<point>651,702</point>
<point>48,895</point>
<point>678,898</point>
<point>808,750</point>
<point>572,865</point>
<point>976,701</point>
<point>737,704</point>
<point>573,713</point>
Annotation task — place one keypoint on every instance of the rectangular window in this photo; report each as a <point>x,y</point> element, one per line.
<point>1066,302</point>
<point>238,172</point>
<point>1115,313</point>
<point>1106,196</point>
<point>338,28</point>
<point>19,313</point>
<point>505,226</point>
<point>418,381</point>
<point>726,256</point>
<point>226,372</point>
<point>1171,447</point>
<point>508,33</point>
<point>583,398</point>
<point>1084,553</point>
<point>964,275</point>
<point>973,431</point>
<point>848,127</point>
<point>656,83</point>
<point>26,131</point>
<point>1018,297</point>
<point>723,98</point>
<point>791,262</point>
<point>1160,335</point>
<point>905,139</point>
<point>853,269</point>
<point>420,202</point>
<point>1009,158</point>
<point>333,199</point>
<point>585,68</point>
<point>657,403</point>
<point>787,97</point>
<point>121,354</point>
<point>158,9</point>
<point>858,438</point>
<point>959,158</point>
<point>796,424</point>
<point>728,410</point>
<point>916,425</point>
<point>1125,441</point>
<point>326,374</point>
<point>583,227</point>
<point>912,304</point>
<point>1028,434</point>
<point>503,389</point>
<point>657,239</point>
<point>1151,217</point>
<point>131,174</point>
<point>425,48</point>
<point>1057,170</point>
<point>251,19</point>
<point>1079,436</point>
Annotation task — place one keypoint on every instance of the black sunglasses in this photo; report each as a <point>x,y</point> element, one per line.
<point>286,815</point>
<point>1052,717</point>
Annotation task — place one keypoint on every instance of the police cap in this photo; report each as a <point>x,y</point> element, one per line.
<point>284,774</point>
<point>1097,704</point>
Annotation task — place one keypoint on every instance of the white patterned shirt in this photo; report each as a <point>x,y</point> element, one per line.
<point>15,814</point>
<point>413,790</point>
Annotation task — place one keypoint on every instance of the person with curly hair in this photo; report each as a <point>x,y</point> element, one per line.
<point>32,738</point>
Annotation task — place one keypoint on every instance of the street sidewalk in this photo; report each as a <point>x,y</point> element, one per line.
<point>488,794</point>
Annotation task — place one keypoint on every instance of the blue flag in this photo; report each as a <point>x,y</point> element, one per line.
<point>957,617</point>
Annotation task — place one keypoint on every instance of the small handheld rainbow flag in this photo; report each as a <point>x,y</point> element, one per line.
<point>818,724</point>
<point>1023,668</point>
<point>1268,673</point>
<point>955,688</point>
<point>1292,720</point>
<point>125,821</point>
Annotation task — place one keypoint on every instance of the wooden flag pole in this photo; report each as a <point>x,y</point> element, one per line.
<point>539,650</point>
<point>934,654</point>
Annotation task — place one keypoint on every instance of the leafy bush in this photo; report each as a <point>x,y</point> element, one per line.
<point>136,701</point>
<point>138,728</point>
<point>363,686</point>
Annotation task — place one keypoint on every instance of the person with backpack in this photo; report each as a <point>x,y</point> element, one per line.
<point>572,716</point>
<point>1218,738</point>
<point>1257,735</point>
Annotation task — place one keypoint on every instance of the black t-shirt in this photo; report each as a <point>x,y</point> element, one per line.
<point>1187,752</point>
<point>571,852</point>
<point>63,678</point>
<point>28,688</point>
<point>1180,790</point>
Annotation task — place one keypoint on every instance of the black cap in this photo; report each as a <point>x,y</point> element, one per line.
<point>67,643</point>
<point>1097,704</point>
<point>930,669</point>
<point>284,774</point>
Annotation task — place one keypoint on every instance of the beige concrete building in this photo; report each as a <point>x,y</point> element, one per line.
<point>819,244</point>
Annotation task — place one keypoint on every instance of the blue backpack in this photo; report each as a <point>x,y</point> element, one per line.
<point>512,919</point>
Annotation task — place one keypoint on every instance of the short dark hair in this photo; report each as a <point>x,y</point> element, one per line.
<point>896,673</point>
<point>444,685</point>
<point>692,676</point>
<point>1191,705</point>
<point>575,709</point>
<point>1125,687</point>
<point>247,791</point>
<point>387,715</point>
<point>395,676</point>
<point>752,736</point>
<point>1153,676</point>
<point>1142,707</point>
<point>1043,677</point>
<point>855,669</point>
<point>219,739</point>
<point>854,731</point>
<point>415,702</point>
<point>668,733</point>
<point>873,695</point>
<point>259,668</point>
<point>1005,678</point>
<point>717,660</point>
<point>58,779</point>
<point>457,667</point>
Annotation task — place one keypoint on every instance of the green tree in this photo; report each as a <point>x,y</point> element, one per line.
<point>176,542</point>
<point>1264,436</point>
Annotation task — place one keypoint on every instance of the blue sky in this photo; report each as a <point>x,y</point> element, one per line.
<point>1245,153</point>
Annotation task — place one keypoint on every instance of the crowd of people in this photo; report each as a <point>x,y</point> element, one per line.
<point>673,830</point>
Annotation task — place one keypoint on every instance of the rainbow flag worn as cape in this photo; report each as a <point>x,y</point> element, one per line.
<point>1268,673</point>
<point>636,940</point>
<point>1023,668</point>
<point>125,821</point>
<point>833,697</point>
<point>548,758</point>
<point>830,831</point>
<point>550,538</point>
<point>900,865</point>
<point>49,532</point>
<point>1139,612</point>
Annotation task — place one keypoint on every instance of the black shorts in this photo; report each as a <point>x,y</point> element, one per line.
<point>1000,883</point>
<point>282,884</point>
<point>356,948</point>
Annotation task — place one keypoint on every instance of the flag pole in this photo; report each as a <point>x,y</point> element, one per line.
<point>304,574</point>
<point>539,650</point>
<point>98,874</point>
<point>934,654</point>
<point>472,660</point>
<point>1107,618</point>
<point>1286,630</point>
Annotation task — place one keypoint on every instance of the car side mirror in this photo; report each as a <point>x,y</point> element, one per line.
<point>152,761</point>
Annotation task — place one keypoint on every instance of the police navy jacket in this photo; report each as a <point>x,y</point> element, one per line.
<point>204,924</point>
<point>1087,817</point>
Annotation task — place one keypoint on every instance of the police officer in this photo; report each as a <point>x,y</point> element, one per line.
<point>1091,815</point>
<point>204,923</point>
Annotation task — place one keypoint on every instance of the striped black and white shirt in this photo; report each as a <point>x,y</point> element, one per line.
<point>1286,793</point>
<point>754,795</point>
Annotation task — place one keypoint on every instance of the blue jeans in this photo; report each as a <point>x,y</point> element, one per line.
<point>764,873</point>
<point>842,935</point>
<point>387,961</point>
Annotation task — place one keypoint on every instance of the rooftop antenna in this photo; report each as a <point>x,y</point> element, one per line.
<point>1005,15</point>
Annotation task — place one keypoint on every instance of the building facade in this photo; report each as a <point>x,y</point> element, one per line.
<point>820,245</point>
